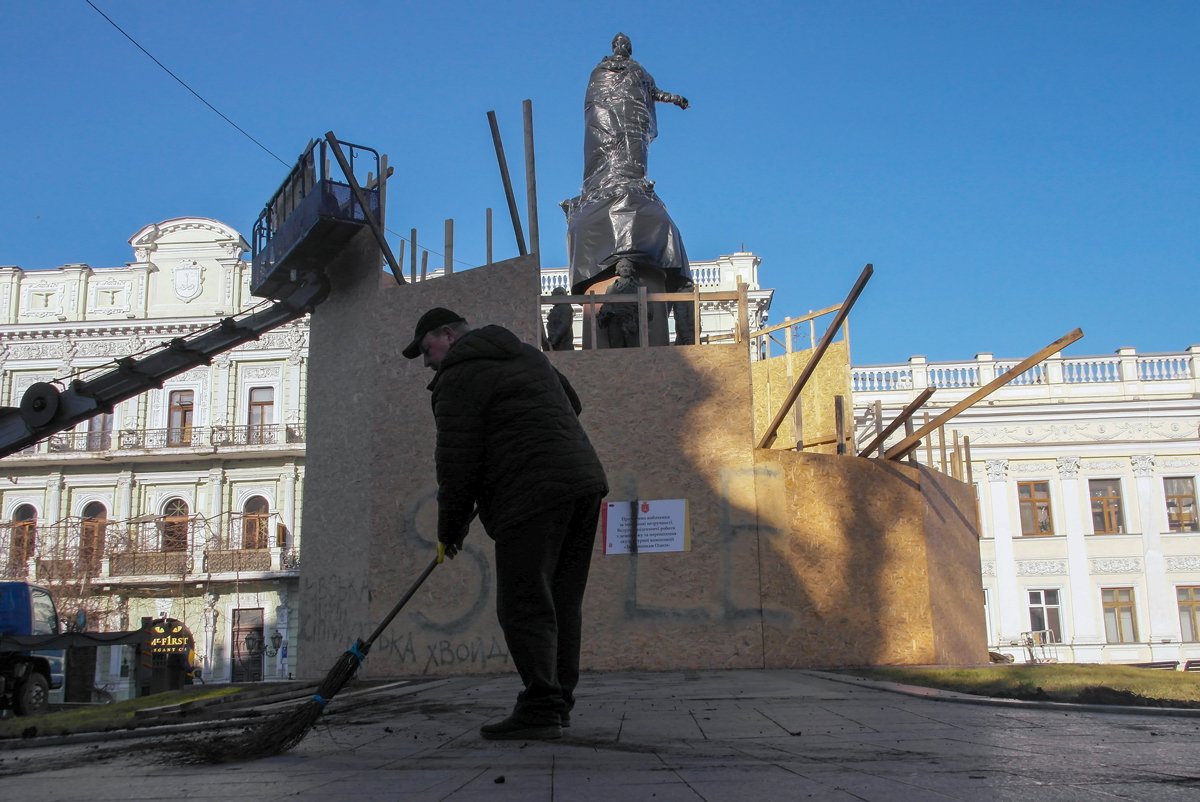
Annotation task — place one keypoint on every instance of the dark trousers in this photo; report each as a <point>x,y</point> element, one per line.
<point>542,569</point>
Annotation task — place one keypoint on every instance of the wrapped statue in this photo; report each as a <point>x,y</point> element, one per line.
<point>560,325</point>
<point>618,215</point>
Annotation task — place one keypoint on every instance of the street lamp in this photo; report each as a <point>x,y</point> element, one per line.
<point>276,642</point>
<point>254,642</point>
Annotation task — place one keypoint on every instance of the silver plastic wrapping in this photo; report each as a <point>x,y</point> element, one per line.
<point>618,214</point>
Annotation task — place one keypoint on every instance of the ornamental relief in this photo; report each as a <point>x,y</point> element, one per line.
<point>988,568</point>
<point>1116,565</point>
<point>1041,567</point>
<point>1089,432</point>
<point>261,372</point>
<point>1189,562</point>
<point>1171,464</point>
<point>1031,468</point>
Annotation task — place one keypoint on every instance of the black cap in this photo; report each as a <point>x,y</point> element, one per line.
<point>438,316</point>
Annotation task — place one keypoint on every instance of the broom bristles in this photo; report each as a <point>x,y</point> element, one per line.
<point>286,730</point>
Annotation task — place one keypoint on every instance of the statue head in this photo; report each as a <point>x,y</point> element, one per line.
<point>621,46</point>
<point>624,267</point>
<point>559,291</point>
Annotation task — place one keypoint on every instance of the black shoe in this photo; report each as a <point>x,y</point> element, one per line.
<point>512,729</point>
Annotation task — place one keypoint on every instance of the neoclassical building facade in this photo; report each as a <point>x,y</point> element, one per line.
<point>1086,472</point>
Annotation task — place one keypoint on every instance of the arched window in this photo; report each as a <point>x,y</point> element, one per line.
<point>175,525</point>
<point>255,514</point>
<point>91,537</point>
<point>24,539</point>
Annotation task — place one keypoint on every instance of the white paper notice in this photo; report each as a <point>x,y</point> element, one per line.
<point>662,525</point>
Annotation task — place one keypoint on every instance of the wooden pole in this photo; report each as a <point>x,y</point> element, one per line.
<point>900,448</point>
<point>839,422</point>
<point>878,417</point>
<point>508,190</point>
<point>449,248</point>
<point>941,433</point>
<point>769,436</point>
<point>530,177</point>
<point>594,329</point>
<point>489,235</point>
<point>904,418</point>
<point>908,429</point>
<point>928,444</point>
<point>424,265</point>
<point>967,459</point>
<point>412,248</point>
<point>643,311</point>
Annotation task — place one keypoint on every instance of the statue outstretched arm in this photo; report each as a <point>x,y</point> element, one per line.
<point>667,97</point>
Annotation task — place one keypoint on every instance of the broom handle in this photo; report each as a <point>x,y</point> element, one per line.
<point>403,601</point>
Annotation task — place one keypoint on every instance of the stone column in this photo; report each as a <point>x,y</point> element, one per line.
<point>289,497</point>
<point>1083,612</point>
<point>1162,612</point>
<point>1008,602</point>
<point>215,508</point>
<point>124,505</point>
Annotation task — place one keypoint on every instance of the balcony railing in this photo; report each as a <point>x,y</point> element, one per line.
<point>216,437</point>
<point>1123,367</point>
<point>77,550</point>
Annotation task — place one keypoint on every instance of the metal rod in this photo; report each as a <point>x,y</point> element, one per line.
<point>769,436</point>
<point>508,190</point>
<point>449,249</point>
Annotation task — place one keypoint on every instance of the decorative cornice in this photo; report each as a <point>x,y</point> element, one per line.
<point>1190,562</point>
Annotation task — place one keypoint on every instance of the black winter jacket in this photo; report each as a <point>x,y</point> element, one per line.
<point>508,435</point>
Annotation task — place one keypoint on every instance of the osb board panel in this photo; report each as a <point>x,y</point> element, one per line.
<point>818,422</point>
<point>845,576</point>
<point>672,423</point>
<point>370,485</point>
<point>338,468</point>
<point>952,532</point>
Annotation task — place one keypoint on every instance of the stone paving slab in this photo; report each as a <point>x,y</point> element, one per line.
<point>696,735</point>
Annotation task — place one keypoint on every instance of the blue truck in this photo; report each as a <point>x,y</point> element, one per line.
<point>28,620</point>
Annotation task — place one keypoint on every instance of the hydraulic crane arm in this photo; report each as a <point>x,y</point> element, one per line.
<point>47,410</point>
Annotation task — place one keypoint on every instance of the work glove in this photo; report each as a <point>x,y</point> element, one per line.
<point>445,550</point>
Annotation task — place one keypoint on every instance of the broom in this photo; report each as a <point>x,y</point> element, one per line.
<point>288,729</point>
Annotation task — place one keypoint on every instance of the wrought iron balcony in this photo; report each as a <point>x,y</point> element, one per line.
<point>215,437</point>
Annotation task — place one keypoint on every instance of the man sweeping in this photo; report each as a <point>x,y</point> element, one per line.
<point>509,443</point>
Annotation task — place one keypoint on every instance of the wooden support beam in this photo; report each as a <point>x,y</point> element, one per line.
<point>769,435</point>
<point>908,429</point>
<point>489,235</point>
<point>375,225</point>
<point>643,313</point>
<point>903,419</point>
<point>424,265</point>
<point>508,190</point>
<point>839,422</point>
<point>530,177</point>
<point>901,448</point>
<point>449,248</point>
<point>412,249</point>
<point>967,459</point>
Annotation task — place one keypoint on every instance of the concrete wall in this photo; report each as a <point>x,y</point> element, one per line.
<point>794,560</point>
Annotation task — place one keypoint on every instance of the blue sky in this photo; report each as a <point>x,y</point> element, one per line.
<point>1013,170</point>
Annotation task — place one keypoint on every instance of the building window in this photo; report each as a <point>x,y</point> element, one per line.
<point>23,540</point>
<point>255,514</point>
<point>1045,615</point>
<point>179,422</point>
<point>175,525</point>
<point>91,537</point>
<point>1189,613</point>
<point>1181,504</point>
<point>262,404</point>
<point>99,432</point>
<point>1120,619</point>
<point>1034,499</point>
<point>1106,506</point>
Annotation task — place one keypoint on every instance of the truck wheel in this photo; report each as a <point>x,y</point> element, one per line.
<point>32,696</point>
